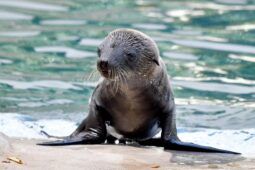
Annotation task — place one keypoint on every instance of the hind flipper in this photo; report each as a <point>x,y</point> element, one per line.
<point>182,146</point>
<point>187,146</point>
<point>170,139</point>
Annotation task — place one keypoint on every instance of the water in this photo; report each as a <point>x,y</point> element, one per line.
<point>48,51</point>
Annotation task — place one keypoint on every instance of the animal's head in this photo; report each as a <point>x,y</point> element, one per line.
<point>126,52</point>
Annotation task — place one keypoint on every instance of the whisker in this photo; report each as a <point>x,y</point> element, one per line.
<point>123,76</point>
<point>117,82</point>
<point>92,76</point>
<point>86,76</point>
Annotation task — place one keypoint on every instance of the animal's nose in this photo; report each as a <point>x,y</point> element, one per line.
<point>103,65</point>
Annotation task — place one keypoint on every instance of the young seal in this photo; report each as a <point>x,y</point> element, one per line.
<point>134,101</point>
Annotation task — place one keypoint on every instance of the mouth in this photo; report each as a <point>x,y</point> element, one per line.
<point>105,73</point>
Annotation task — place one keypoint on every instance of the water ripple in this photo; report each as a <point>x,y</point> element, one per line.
<point>245,27</point>
<point>69,52</point>
<point>19,33</point>
<point>216,46</point>
<point>32,5</point>
<point>70,22</point>
<point>90,41</point>
<point>4,15</point>
<point>244,58</point>
<point>215,87</point>
<point>39,84</point>
<point>180,56</point>
<point>5,61</point>
<point>148,26</point>
<point>220,7</point>
<point>237,80</point>
<point>48,103</point>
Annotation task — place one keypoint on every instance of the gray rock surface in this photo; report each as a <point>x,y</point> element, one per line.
<point>114,157</point>
<point>5,144</point>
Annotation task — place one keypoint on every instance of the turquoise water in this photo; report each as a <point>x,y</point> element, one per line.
<point>48,61</point>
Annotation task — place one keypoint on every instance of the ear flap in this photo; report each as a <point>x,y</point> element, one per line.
<point>156,61</point>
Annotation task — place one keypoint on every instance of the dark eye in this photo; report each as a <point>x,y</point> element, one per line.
<point>131,56</point>
<point>98,52</point>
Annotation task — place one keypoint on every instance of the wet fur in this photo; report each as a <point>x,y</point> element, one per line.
<point>135,98</point>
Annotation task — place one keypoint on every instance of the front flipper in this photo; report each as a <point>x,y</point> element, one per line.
<point>92,130</point>
<point>61,142</point>
<point>82,138</point>
<point>52,136</point>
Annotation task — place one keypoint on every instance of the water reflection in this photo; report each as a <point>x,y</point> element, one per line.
<point>90,42</point>
<point>4,61</point>
<point>19,33</point>
<point>65,22</point>
<point>215,87</point>
<point>6,15</point>
<point>149,26</point>
<point>32,5</point>
<point>180,56</point>
<point>69,52</point>
<point>216,46</point>
<point>39,84</point>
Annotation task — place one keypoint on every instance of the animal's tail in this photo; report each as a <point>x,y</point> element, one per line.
<point>186,146</point>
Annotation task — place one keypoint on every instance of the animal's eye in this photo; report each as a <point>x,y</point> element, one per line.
<point>131,56</point>
<point>98,52</point>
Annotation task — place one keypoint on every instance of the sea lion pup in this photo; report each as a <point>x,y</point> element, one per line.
<point>134,101</point>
